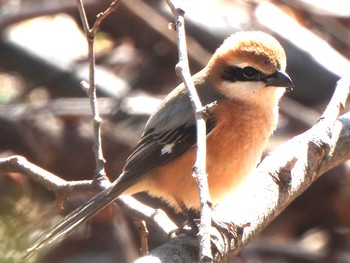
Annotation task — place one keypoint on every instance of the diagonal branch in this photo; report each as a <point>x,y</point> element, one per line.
<point>64,189</point>
<point>19,164</point>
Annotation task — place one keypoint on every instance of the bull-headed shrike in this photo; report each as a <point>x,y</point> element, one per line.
<point>246,78</point>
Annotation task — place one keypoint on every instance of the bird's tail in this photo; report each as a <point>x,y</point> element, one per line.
<point>78,216</point>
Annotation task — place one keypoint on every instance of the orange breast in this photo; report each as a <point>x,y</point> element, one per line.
<point>234,148</point>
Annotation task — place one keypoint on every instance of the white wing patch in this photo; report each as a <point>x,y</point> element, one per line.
<point>168,148</point>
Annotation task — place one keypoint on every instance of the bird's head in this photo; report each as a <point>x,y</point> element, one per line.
<point>250,66</point>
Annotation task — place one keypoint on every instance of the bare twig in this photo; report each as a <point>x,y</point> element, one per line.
<point>199,169</point>
<point>19,164</point>
<point>143,233</point>
<point>64,189</point>
<point>90,88</point>
<point>83,17</point>
<point>156,217</point>
<point>91,32</point>
<point>101,16</point>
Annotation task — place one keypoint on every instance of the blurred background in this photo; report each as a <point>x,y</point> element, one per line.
<point>46,117</point>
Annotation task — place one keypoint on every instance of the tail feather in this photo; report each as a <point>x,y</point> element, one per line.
<point>78,216</point>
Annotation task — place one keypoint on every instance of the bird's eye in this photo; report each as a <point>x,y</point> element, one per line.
<point>250,73</point>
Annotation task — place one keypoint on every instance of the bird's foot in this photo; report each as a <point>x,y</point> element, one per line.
<point>225,236</point>
<point>190,228</point>
<point>228,230</point>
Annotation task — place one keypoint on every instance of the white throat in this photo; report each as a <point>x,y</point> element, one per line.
<point>256,93</point>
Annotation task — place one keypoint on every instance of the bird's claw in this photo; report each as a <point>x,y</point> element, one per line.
<point>229,229</point>
<point>189,228</point>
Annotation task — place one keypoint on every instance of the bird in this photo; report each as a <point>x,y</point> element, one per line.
<point>245,78</point>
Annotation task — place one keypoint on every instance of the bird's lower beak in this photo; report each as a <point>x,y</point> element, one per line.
<point>280,79</point>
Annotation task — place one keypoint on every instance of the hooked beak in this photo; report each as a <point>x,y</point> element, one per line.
<point>280,79</point>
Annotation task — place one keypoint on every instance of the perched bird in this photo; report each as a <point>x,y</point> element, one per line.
<point>246,78</point>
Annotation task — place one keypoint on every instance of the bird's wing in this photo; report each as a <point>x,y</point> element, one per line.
<point>156,149</point>
<point>168,134</point>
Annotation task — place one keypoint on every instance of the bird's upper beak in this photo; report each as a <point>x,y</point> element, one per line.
<point>280,79</point>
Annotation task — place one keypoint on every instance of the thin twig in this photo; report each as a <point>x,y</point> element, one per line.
<point>64,189</point>
<point>143,233</point>
<point>90,88</point>
<point>83,17</point>
<point>101,16</point>
<point>156,217</point>
<point>19,164</point>
<point>199,169</point>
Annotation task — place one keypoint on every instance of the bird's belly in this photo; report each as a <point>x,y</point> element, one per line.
<point>229,161</point>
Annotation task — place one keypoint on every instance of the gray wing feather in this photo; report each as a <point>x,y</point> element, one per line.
<point>172,125</point>
<point>176,109</point>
